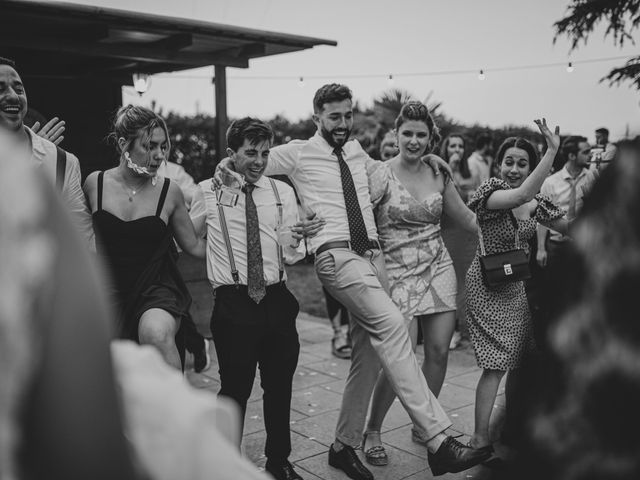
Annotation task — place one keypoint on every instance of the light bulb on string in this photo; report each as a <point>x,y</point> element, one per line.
<point>390,80</point>
<point>301,82</point>
<point>481,75</point>
<point>570,67</point>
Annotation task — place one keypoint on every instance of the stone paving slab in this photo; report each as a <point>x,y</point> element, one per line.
<point>317,395</point>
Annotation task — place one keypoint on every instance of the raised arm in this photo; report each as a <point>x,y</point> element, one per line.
<point>514,197</point>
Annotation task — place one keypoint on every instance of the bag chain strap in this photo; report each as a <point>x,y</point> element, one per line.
<point>481,238</point>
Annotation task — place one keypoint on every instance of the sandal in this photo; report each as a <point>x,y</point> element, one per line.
<point>375,455</point>
<point>341,346</point>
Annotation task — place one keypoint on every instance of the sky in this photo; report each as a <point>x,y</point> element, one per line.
<point>382,38</point>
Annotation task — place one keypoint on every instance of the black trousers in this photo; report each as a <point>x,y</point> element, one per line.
<point>247,335</point>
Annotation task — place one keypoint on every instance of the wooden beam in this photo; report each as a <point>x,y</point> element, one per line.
<point>141,53</point>
<point>174,42</point>
<point>220,85</point>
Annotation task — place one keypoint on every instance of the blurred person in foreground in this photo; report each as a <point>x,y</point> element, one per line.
<point>61,168</point>
<point>136,216</point>
<point>71,408</point>
<point>580,397</point>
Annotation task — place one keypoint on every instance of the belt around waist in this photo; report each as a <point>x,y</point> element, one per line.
<point>371,245</point>
<point>244,289</point>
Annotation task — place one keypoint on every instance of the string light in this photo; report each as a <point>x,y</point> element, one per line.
<point>390,80</point>
<point>301,82</point>
<point>392,77</point>
<point>481,75</point>
<point>570,67</point>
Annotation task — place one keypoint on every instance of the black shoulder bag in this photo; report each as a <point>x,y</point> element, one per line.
<point>504,267</point>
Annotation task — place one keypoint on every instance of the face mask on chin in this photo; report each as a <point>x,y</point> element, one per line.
<point>141,170</point>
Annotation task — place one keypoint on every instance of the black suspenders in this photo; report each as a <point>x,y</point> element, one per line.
<point>227,241</point>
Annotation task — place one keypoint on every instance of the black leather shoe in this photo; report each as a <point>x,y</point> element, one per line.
<point>452,456</point>
<point>201,358</point>
<point>347,461</point>
<point>282,471</point>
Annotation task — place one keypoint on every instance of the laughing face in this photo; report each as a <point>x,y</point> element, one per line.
<point>13,99</point>
<point>251,159</point>
<point>515,166</point>
<point>335,122</point>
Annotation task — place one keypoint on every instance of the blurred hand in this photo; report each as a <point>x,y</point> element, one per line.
<point>437,164</point>
<point>454,161</point>
<point>541,258</point>
<point>225,166</point>
<point>52,130</point>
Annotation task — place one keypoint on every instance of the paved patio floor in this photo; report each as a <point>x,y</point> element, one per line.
<point>317,389</point>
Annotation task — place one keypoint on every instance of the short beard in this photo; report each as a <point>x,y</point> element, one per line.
<point>326,134</point>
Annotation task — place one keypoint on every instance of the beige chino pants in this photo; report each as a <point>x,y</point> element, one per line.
<point>380,339</point>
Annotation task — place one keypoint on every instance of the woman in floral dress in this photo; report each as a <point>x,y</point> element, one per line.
<point>409,198</point>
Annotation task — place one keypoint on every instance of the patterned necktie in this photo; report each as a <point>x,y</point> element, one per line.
<point>357,230</point>
<point>255,274</point>
<point>571,214</point>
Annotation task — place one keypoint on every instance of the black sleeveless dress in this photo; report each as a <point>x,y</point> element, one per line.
<point>141,258</point>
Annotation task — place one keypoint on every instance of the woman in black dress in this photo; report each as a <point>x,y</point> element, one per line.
<point>136,216</point>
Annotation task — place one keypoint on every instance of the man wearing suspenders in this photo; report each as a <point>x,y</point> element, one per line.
<point>253,321</point>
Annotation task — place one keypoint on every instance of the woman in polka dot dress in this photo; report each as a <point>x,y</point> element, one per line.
<point>409,199</point>
<point>498,318</point>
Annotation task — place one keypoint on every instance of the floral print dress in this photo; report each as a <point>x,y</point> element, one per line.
<point>421,275</point>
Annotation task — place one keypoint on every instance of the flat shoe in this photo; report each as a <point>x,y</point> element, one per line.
<point>375,455</point>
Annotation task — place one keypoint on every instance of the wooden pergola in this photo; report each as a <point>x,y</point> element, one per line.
<point>74,59</point>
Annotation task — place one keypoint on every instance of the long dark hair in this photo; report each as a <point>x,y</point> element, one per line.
<point>464,161</point>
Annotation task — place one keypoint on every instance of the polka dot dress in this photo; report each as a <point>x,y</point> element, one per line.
<point>498,318</point>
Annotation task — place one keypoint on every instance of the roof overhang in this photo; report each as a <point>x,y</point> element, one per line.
<point>64,40</point>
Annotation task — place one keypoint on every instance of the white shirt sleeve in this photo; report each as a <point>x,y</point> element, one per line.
<point>198,211</point>
<point>76,201</point>
<point>283,159</point>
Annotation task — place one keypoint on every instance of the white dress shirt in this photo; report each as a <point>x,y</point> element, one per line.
<point>558,188</point>
<point>218,266</point>
<point>44,153</point>
<point>479,169</point>
<point>314,171</point>
<point>193,196</point>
